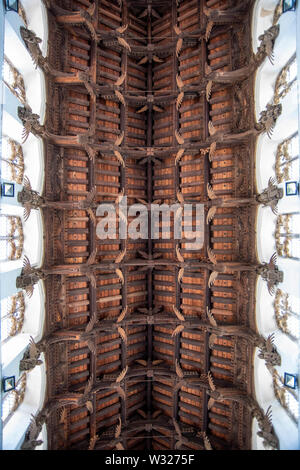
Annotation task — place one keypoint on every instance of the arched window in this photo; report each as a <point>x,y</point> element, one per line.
<point>12,160</point>
<point>11,238</point>
<point>287,318</point>
<point>287,159</point>
<point>13,399</point>
<point>287,235</point>
<point>286,79</point>
<point>14,80</point>
<point>12,315</point>
<point>287,397</point>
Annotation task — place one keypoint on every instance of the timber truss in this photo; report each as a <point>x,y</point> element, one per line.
<point>148,344</point>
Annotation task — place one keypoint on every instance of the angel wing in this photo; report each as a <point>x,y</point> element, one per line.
<point>91,323</point>
<point>271,287</point>
<point>179,82</point>
<point>157,362</point>
<point>26,132</point>
<point>269,49</point>
<point>91,9</point>
<point>158,109</point>
<point>211,256</point>
<point>92,216</point>
<point>270,343</point>
<point>124,44</point>
<point>180,275</point>
<point>209,90</point>
<point>212,151</point>
<point>177,30</point>
<point>207,444</point>
<point>63,415</point>
<point>177,428</point>
<point>212,339</point>
<point>121,256</point>
<point>274,207</point>
<point>91,345</point>
<point>211,129</point>
<point>90,197</point>
<point>178,444</point>
<point>119,446</point>
<point>26,212</point>
<point>33,429</point>
<point>93,441</point>
<point>272,183</point>
<point>267,421</point>
<point>143,61</point>
<point>211,403</point>
<point>180,197</point>
<point>178,314</point>
<point>178,369</point>
<point>26,265</point>
<point>89,385</point>
<point>89,406</point>
<point>26,183</point>
<point>120,196</point>
<point>179,255</point>
<point>209,28</point>
<point>92,258</point>
<point>122,375</point>
<point>118,429</point>
<point>29,291</point>
<point>141,362</point>
<point>121,79</point>
<point>121,392</point>
<point>210,192</point>
<point>122,315</point>
<point>212,278</point>
<point>91,152</point>
<point>210,214</point>
<point>122,333</point>
<point>177,330</point>
<point>120,97</point>
<point>119,158</point>
<point>210,317</point>
<point>120,275</point>
<point>179,156</point>
<point>122,29</point>
<point>211,381</point>
<point>119,139</point>
<point>179,46</point>
<point>208,69</point>
<point>179,138</point>
<point>33,350</point>
<point>92,278</point>
<point>273,261</point>
<point>156,59</point>
<point>143,109</point>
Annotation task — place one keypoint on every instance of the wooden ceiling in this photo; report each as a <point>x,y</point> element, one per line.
<point>142,350</point>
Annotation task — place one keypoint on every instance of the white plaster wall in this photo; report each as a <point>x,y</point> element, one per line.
<point>287,124</point>
<point>35,313</point>
<point>14,430</point>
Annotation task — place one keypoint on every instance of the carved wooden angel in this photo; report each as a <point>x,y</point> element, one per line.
<point>31,357</point>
